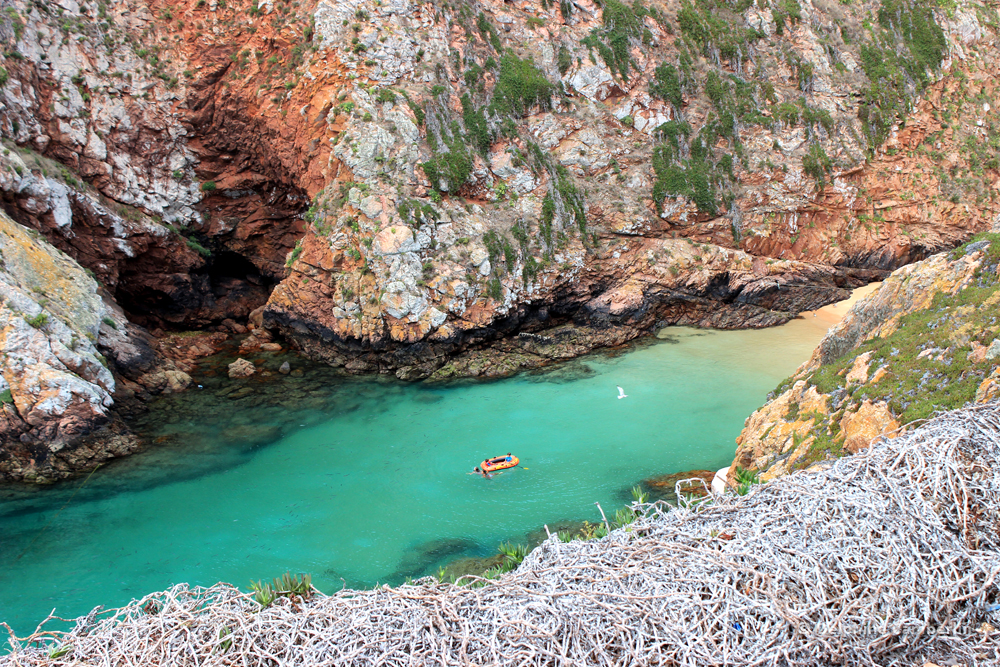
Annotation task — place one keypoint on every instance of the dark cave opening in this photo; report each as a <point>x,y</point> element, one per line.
<point>228,287</point>
<point>227,265</point>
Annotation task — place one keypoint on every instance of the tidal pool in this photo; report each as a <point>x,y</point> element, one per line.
<point>364,481</point>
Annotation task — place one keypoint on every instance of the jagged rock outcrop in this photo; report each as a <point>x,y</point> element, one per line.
<point>69,363</point>
<point>918,345</point>
<point>612,299</point>
<point>55,389</point>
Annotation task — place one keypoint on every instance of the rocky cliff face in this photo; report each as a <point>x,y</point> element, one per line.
<point>927,340</point>
<point>438,189</point>
<point>513,215</point>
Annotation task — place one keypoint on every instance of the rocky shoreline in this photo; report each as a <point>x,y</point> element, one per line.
<point>144,365</point>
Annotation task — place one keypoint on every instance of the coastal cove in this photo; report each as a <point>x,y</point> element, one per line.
<point>360,481</point>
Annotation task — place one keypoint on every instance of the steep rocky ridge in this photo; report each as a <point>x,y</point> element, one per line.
<point>439,189</point>
<point>927,340</point>
<point>71,364</point>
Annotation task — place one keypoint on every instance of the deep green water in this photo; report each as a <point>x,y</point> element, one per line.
<point>364,480</point>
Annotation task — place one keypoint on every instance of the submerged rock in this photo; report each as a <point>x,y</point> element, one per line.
<point>285,368</point>
<point>241,368</point>
<point>252,434</point>
<point>166,381</point>
<point>663,487</point>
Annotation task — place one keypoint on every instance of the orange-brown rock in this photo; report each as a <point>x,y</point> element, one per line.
<point>778,437</point>
<point>989,389</point>
<point>867,423</point>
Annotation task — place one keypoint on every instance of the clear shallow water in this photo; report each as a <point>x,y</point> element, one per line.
<point>360,481</point>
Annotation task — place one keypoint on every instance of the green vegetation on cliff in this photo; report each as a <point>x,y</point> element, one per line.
<point>622,29</point>
<point>906,45</point>
<point>930,358</point>
<point>700,176</point>
<point>520,87</point>
<point>936,354</point>
<point>718,28</point>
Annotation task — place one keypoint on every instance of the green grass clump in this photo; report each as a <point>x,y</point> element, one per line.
<point>825,446</point>
<point>736,102</point>
<point>817,163</point>
<point>666,85</point>
<point>699,177</point>
<point>520,87</point>
<point>717,25</point>
<point>416,212</point>
<point>197,247</point>
<point>992,250</point>
<point>450,170</point>
<point>564,60</point>
<point>787,113</point>
<point>622,27</point>
<point>548,215</point>
<point>495,248</point>
<point>294,255</point>
<point>38,321</point>
<point>494,289</point>
<point>476,128</point>
<point>572,198</point>
<point>385,95</point>
<point>287,585</point>
<point>513,555</point>
<point>6,396</point>
<point>488,32</point>
<point>745,479</point>
<point>786,10</point>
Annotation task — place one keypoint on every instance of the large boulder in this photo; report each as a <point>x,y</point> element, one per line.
<point>241,368</point>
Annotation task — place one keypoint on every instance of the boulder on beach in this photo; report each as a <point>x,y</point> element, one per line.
<point>241,368</point>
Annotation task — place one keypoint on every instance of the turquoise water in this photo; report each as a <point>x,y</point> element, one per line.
<point>360,481</point>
